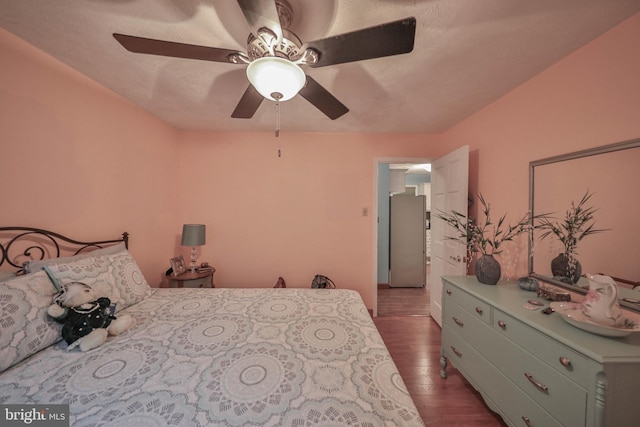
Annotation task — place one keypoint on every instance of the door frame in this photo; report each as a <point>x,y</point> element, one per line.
<point>374,217</point>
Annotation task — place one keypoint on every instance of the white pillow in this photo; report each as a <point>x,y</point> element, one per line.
<point>116,277</point>
<point>36,265</point>
<point>129,280</point>
<point>25,327</point>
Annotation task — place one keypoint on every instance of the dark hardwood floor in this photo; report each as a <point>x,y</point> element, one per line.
<point>413,339</point>
<point>402,301</point>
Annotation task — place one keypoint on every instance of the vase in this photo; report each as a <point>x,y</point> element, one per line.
<point>561,271</point>
<point>488,270</point>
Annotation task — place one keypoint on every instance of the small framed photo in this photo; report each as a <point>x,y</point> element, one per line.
<point>178,265</point>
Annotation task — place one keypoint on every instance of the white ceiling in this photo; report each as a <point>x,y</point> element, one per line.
<point>467,54</point>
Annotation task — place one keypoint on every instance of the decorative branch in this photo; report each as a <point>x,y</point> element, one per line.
<point>578,223</point>
<point>487,237</point>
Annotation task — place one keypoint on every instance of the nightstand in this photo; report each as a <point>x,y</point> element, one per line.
<point>196,279</point>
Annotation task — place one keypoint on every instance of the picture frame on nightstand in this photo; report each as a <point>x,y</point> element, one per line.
<point>178,265</point>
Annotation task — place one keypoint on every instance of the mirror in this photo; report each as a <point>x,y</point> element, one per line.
<point>611,174</point>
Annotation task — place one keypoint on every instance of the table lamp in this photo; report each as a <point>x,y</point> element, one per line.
<point>193,235</point>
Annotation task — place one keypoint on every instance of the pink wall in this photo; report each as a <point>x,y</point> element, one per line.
<point>588,99</point>
<point>77,159</point>
<point>293,216</point>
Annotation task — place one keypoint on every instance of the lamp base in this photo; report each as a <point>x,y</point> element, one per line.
<point>193,259</point>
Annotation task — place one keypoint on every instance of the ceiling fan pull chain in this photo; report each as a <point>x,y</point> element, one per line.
<point>278,126</point>
<point>278,122</point>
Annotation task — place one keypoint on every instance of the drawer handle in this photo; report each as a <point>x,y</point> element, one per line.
<point>459,323</point>
<point>527,421</point>
<point>502,324</point>
<point>566,362</point>
<point>536,383</point>
<point>479,310</point>
<point>457,353</point>
<point>448,291</point>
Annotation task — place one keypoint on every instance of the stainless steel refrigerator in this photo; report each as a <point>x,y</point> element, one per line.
<point>407,241</point>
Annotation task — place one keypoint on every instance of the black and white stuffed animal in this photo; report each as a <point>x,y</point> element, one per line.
<point>86,320</point>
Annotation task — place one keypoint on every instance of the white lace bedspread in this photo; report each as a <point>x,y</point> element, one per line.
<point>228,357</point>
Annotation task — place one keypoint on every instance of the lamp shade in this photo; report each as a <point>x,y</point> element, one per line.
<point>276,78</point>
<point>193,235</point>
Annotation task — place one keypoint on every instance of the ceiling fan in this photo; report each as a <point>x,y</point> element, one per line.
<point>275,55</point>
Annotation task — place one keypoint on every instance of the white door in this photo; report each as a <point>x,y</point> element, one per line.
<point>449,191</point>
<point>407,223</point>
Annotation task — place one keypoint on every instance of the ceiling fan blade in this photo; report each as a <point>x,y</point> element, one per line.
<point>248,104</point>
<point>173,49</point>
<point>392,38</point>
<point>322,99</point>
<point>262,14</point>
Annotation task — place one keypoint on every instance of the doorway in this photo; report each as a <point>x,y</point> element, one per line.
<point>415,174</point>
<point>450,178</point>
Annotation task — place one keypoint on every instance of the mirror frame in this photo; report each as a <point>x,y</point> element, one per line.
<point>629,298</point>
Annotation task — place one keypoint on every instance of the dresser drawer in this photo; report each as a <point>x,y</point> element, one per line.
<point>499,393</point>
<point>561,397</point>
<point>466,324</point>
<point>564,360</point>
<point>479,309</point>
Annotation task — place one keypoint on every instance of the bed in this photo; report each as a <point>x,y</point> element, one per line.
<point>194,357</point>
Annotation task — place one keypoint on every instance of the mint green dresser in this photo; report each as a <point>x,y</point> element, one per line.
<point>536,369</point>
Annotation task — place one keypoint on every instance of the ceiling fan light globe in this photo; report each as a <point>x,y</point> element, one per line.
<point>272,75</point>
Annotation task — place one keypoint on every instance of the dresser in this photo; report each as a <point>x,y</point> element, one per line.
<point>532,368</point>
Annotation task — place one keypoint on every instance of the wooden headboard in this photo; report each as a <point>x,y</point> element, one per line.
<point>21,244</point>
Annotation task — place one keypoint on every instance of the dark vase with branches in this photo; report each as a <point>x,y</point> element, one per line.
<point>484,238</point>
<point>578,223</point>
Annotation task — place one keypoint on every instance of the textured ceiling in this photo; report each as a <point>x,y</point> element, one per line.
<point>467,54</point>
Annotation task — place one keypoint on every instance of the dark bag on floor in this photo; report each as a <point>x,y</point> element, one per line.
<point>322,282</point>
